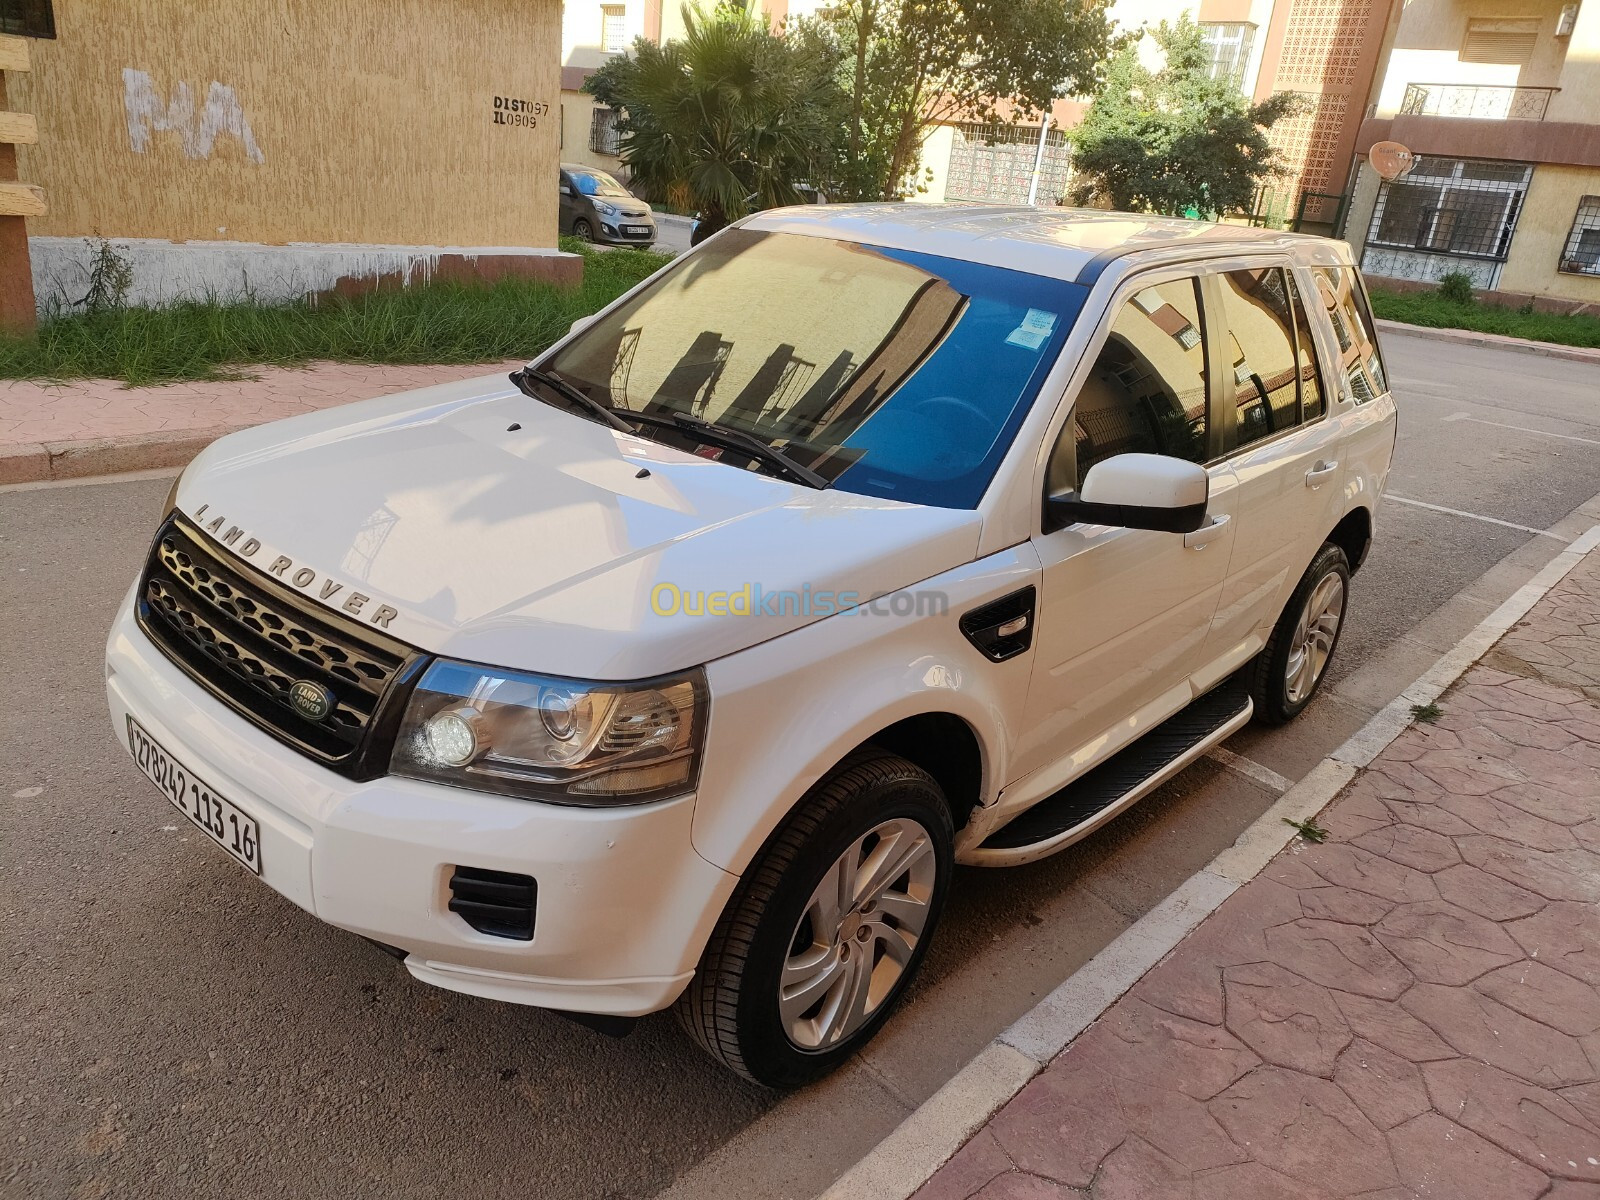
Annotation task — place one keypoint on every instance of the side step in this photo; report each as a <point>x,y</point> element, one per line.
<point>1100,793</point>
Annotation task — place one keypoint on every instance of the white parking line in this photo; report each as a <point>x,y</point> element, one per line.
<point>1250,769</point>
<point>1456,512</point>
<point>1565,437</point>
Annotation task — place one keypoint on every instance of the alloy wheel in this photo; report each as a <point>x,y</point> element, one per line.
<point>1314,636</point>
<point>856,934</point>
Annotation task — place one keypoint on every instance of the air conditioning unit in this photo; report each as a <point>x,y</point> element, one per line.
<point>1567,19</point>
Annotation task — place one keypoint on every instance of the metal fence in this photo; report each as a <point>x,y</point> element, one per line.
<point>1459,206</point>
<point>995,163</point>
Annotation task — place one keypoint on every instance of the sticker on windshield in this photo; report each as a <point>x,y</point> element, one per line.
<point>1035,328</point>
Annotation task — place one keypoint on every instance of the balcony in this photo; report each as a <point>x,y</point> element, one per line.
<point>1482,102</point>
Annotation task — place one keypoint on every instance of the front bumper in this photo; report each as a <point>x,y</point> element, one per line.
<point>624,906</point>
<point>613,229</point>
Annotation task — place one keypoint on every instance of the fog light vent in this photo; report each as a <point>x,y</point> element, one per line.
<point>498,903</point>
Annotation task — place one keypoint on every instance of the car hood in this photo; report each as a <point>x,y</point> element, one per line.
<point>482,524</point>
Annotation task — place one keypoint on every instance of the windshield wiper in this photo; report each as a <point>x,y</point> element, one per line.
<point>733,439</point>
<point>527,376</point>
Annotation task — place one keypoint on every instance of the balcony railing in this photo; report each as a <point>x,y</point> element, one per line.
<point>1474,100</point>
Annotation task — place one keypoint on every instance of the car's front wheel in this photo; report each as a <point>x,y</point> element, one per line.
<point>582,229</point>
<point>828,926</point>
<point>1291,668</point>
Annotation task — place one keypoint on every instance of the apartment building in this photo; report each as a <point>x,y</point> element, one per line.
<point>1499,102</point>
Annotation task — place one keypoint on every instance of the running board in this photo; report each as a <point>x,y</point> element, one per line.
<point>1102,792</point>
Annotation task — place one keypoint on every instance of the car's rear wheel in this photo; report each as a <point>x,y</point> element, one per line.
<point>1294,663</point>
<point>582,229</point>
<point>828,927</point>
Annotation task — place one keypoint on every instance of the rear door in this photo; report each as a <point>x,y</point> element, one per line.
<point>1281,433</point>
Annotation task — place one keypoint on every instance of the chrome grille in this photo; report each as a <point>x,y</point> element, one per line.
<point>248,639</point>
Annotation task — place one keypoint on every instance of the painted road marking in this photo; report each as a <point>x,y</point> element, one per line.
<point>1565,437</point>
<point>1250,769</point>
<point>1456,512</point>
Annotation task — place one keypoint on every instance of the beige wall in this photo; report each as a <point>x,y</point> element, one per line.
<point>1541,235</point>
<point>1427,49</point>
<point>582,29</point>
<point>368,121</point>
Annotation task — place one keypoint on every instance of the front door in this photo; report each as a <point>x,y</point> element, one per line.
<point>1124,613</point>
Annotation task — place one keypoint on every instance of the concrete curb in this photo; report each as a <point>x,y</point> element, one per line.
<point>38,462</point>
<point>1496,341</point>
<point>925,1140</point>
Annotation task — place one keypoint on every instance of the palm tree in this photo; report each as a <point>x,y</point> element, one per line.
<point>729,119</point>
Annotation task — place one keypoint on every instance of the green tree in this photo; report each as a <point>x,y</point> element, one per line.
<point>728,113</point>
<point>1174,139</point>
<point>907,65</point>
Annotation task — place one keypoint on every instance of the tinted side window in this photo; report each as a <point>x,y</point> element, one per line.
<point>1261,348</point>
<point>1346,305</point>
<point>1311,402</point>
<point>1147,389</point>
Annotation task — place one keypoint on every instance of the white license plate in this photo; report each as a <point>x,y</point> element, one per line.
<point>229,827</point>
<point>638,230</point>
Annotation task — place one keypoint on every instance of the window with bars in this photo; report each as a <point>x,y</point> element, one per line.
<point>1457,206</point>
<point>603,136</point>
<point>613,27</point>
<point>1582,253</point>
<point>28,18</point>
<point>1229,44</point>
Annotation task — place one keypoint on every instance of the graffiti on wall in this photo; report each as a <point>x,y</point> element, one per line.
<point>197,128</point>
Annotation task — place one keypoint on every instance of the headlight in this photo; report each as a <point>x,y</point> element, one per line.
<point>604,209</point>
<point>551,739</point>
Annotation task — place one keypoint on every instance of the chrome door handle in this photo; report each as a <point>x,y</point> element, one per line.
<point>1321,471</point>
<point>1207,533</point>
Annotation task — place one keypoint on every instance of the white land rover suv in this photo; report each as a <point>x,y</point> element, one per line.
<point>683,666</point>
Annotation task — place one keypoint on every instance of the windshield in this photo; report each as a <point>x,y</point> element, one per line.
<point>887,372</point>
<point>598,183</point>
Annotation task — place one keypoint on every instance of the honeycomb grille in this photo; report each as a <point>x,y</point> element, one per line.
<point>249,640</point>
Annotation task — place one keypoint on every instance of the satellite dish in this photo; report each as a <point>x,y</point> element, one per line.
<point>1390,159</point>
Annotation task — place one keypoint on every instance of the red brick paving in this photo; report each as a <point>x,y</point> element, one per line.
<point>1409,1010</point>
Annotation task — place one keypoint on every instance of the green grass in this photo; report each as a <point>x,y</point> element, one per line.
<point>430,323</point>
<point>1429,308</point>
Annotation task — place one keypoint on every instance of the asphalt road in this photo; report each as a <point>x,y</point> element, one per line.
<point>171,1027</point>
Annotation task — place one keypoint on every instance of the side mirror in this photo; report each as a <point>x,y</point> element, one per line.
<point>580,323</point>
<point>1136,491</point>
<point>565,190</point>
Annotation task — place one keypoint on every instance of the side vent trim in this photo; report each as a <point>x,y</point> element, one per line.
<point>1002,628</point>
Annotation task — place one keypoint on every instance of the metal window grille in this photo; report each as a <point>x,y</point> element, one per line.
<point>994,163</point>
<point>1582,252</point>
<point>28,18</point>
<point>1456,206</point>
<point>1229,44</point>
<point>613,27</point>
<point>603,136</point>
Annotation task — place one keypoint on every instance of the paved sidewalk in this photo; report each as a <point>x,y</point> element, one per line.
<point>1411,1009</point>
<point>96,426</point>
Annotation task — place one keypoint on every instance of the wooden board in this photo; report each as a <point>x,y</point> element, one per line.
<point>13,53</point>
<point>21,200</point>
<point>18,128</point>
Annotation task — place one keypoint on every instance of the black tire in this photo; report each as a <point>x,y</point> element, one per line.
<point>1269,685</point>
<point>582,229</point>
<point>731,1005</point>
